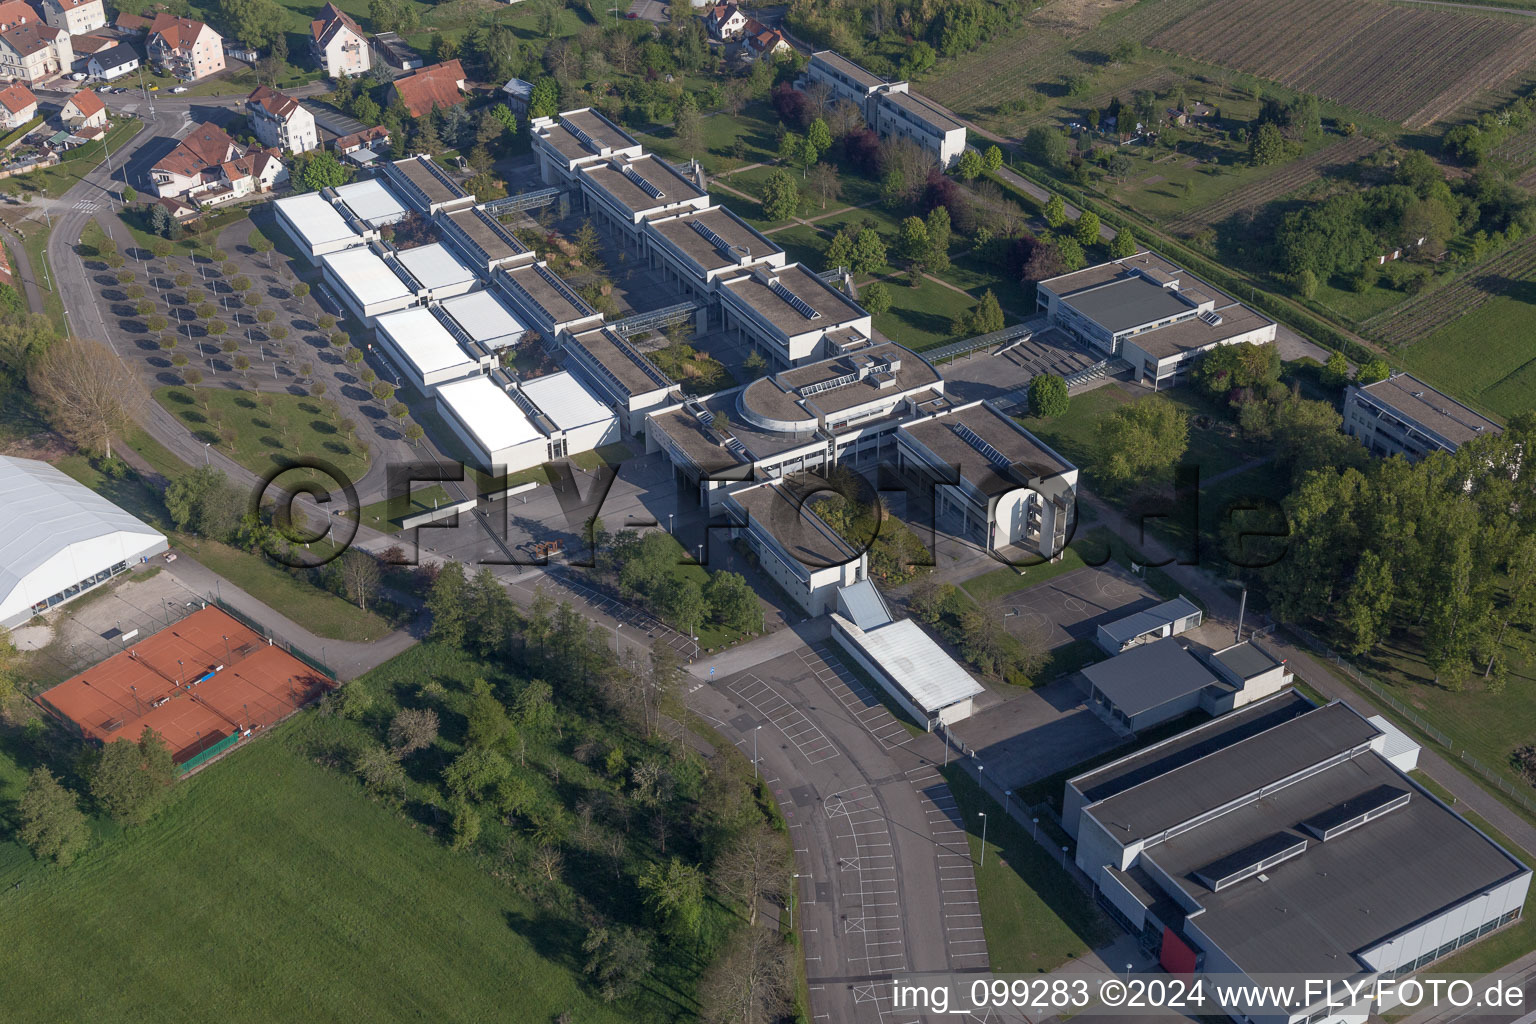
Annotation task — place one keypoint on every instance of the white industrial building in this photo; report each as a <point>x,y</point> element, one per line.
<point>425,351</point>
<point>1167,619</point>
<point>698,249</point>
<point>890,108</point>
<point>1286,840</point>
<point>366,282</point>
<point>317,228</point>
<point>59,538</point>
<point>490,424</point>
<point>436,271</point>
<point>566,143</point>
<point>1156,316</point>
<point>629,382</point>
<point>995,481</point>
<point>426,187</point>
<point>1404,416</point>
<point>627,191</point>
<point>572,418</point>
<point>483,241</point>
<point>544,301</point>
<point>900,655</point>
<point>483,320</point>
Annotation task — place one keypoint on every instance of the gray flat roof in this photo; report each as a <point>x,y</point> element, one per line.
<point>436,187</point>
<point>628,365</point>
<point>1149,675</point>
<point>1194,334</point>
<point>627,193</point>
<point>778,396</point>
<point>684,430</point>
<point>1145,621</point>
<point>595,126</point>
<point>838,62</point>
<point>778,506</point>
<point>1354,891</point>
<point>679,232</point>
<point>1190,745</point>
<point>1185,792</point>
<point>1434,410</point>
<point>835,307</point>
<point>1029,458</point>
<point>1127,302</point>
<point>923,109</point>
<point>1245,660</point>
<point>557,299</point>
<point>497,242</point>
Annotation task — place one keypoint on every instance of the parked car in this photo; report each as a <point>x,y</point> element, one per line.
<point>179,88</point>
<point>78,76</point>
<point>154,88</point>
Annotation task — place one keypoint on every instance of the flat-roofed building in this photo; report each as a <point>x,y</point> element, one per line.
<point>800,552</point>
<point>1251,669</point>
<point>366,282</point>
<point>483,320</point>
<point>544,301</point>
<point>436,272</point>
<point>697,249</point>
<point>890,108</point>
<point>1287,844</point>
<point>425,186</point>
<point>791,315</point>
<point>426,352</point>
<point>1148,684</point>
<point>371,202</point>
<point>1404,416</point>
<point>919,675</point>
<point>841,410</point>
<point>627,191</point>
<point>574,419</point>
<point>1170,618</point>
<point>999,483</point>
<point>1153,314</point>
<point>317,228</point>
<point>495,430</point>
<point>623,375</point>
<point>483,241</point>
<point>571,140</point>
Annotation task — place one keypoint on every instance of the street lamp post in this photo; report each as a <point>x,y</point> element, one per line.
<point>1034,828</point>
<point>792,891</point>
<point>1007,795</point>
<point>754,752</point>
<point>983,837</point>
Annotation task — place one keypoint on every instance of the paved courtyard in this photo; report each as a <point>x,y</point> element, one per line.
<point>1072,606</point>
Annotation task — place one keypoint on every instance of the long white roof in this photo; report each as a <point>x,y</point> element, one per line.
<point>373,202</point>
<point>488,413</point>
<point>424,342</point>
<point>567,401</point>
<point>367,276</point>
<point>435,266</point>
<point>485,318</point>
<point>316,220</point>
<point>915,662</point>
<point>55,532</point>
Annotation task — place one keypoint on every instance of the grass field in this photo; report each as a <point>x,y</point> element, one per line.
<point>1035,916</point>
<point>919,318</point>
<point>35,243</point>
<point>1486,357</point>
<point>263,438</point>
<point>272,889</point>
<point>999,583</point>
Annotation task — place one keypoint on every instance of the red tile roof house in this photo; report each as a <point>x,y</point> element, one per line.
<point>84,110</point>
<point>375,138</point>
<point>17,12</point>
<point>188,49</point>
<point>208,168</point>
<point>725,21</point>
<point>426,89</point>
<point>17,106</point>
<point>762,40</point>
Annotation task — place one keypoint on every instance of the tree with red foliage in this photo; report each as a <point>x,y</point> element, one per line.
<point>941,190</point>
<point>1033,259</point>
<point>792,105</point>
<point>861,148</point>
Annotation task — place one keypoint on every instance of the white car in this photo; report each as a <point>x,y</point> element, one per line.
<point>78,76</point>
<point>179,88</point>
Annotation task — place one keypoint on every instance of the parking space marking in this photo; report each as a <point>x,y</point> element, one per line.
<point>790,720</point>
<point>829,670</point>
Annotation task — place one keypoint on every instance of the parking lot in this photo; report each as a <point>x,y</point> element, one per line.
<point>1072,605</point>
<point>1036,733</point>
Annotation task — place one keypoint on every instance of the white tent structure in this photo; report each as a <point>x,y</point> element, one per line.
<point>58,539</point>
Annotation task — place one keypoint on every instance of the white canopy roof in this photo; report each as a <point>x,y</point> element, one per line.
<point>435,266</point>
<point>55,532</point>
<point>372,201</point>
<point>566,401</point>
<point>366,276</point>
<point>911,658</point>
<point>425,343</point>
<point>315,219</point>
<point>485,318</point>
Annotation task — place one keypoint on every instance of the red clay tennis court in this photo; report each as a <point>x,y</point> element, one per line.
<point>198,682</point>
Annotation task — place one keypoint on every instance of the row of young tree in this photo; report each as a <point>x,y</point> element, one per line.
<point>564,766</point>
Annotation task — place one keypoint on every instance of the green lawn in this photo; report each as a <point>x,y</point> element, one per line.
<point>919,318</point>
<point>35,242</point>
<point>1035,916</point>
<point>260,438</point>
<point>378,515</point>
<point>1486,357</point>
<point>802,244</point>
<point>272,889</point>
<point>754,127</point>
<point>1073,434</point>
<point>74,165</point>
<point>999,583</point>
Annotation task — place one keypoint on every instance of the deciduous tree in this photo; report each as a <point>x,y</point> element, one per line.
<point>87,392</point>
<point>51,823</point>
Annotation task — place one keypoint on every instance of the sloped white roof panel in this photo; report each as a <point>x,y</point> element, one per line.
<point>424,342</point>
<point>54,532</point>
<point>488,413</point>
<point>373,202</point>
<point>917,664</point>
<point>567,401</point>
<point>435,266</point>
<point>486,319</point>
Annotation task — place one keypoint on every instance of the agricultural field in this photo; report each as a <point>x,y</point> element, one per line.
<point>1430,313</point>
<point>1410,65</point>
<point>1279,182</point>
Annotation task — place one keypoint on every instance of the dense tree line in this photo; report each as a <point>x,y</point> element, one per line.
<point>644,567</point>
<point>898,39</point>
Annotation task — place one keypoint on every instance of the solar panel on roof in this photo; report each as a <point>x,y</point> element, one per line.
<point>709,235</point>
<point>796,302</point>
<point>641,182</point>
<point>581,136</point>
<point>975,440</point>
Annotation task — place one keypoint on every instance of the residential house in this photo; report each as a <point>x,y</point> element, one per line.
<point>130,24</point>
<point>17,106</point>
<point>338,43</point>
<point>84,110</point>
<point>239,51</point>
<point>35,52</point>
<point>84,46</point>
<point>194,160</point>
<point>424,90</point>
<point>76,17</point>
<point>280,121</point>
<point>363,147</point>
<point>519,94</point>
<point>725,21</point>
<point>17,12</point>
<point>258,171</point>
<point>113,62</point>
<point>186,48</point>
<point>762,41</point>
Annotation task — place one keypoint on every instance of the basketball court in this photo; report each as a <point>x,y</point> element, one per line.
<point>197,683</point>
